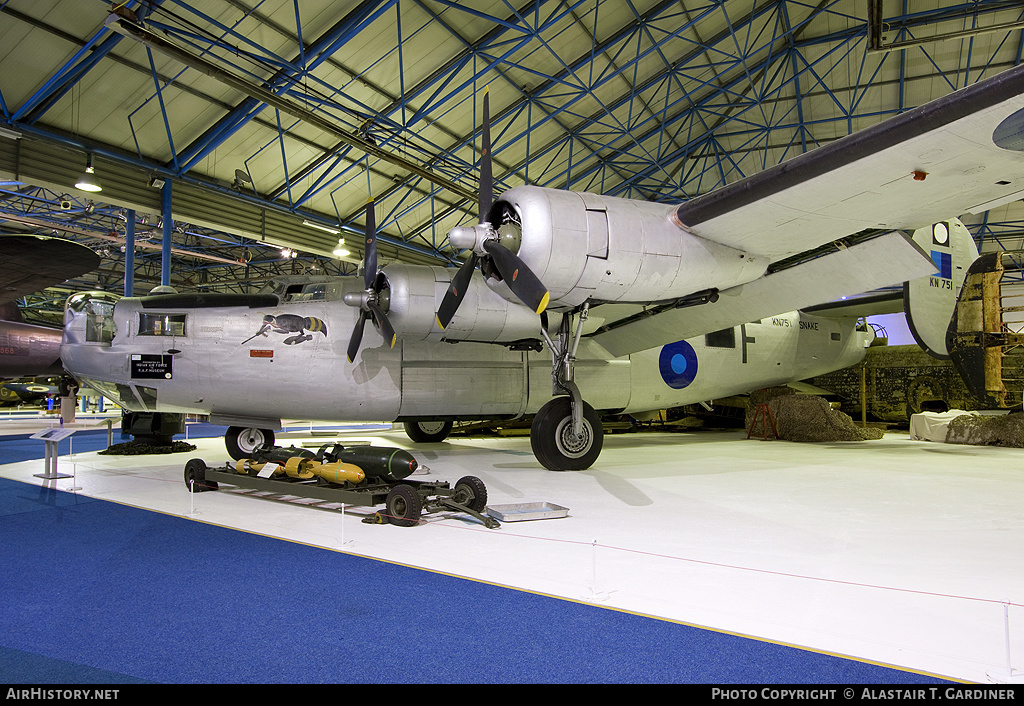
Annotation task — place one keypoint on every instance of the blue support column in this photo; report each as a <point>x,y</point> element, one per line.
<point>165,260</point>
<point>129,255</point>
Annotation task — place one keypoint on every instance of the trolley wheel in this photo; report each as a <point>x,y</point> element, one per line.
<point>195,477</point>
<point>404,506</point>
<point>471,492</point>
<point>243,442</point>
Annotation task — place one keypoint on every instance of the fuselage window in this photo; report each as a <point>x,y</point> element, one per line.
<point>306,293</point>
<point>162,324</point>
<point>726,338</point>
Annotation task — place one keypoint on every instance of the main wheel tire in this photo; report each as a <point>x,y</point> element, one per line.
<point>404,506</point>
<point>428,432</point>
<point>195,477</point>
<point>241,442</point>
<point>553,442</point>
<point>471,492</point>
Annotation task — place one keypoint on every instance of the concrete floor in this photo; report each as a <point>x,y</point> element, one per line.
<point>900,552</point>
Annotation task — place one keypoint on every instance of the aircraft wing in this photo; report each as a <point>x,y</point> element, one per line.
<point>958,154</point>
<point>31,264</point>
<point>868,265</point>
<point>861,307</point>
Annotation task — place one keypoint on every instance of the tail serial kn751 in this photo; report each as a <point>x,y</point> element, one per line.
<point>572,304</point>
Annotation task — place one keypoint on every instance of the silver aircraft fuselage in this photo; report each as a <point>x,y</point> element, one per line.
<point>258,366</point>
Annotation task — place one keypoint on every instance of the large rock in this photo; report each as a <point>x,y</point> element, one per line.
<point>986,430</point>
<point>805,418</point>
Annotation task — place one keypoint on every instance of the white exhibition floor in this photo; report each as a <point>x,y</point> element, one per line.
<point>900,552</point>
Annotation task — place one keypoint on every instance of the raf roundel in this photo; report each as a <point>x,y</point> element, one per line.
<point>678,364</point>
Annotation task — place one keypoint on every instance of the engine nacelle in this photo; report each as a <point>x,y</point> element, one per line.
<point>416,291</point>
<point>587,247</point>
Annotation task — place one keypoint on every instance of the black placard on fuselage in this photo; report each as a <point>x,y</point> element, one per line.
<point>151,367</point>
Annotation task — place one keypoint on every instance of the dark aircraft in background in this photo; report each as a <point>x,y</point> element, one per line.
<point>31,264</point>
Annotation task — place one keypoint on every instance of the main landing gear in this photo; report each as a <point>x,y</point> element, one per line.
<point>428,431</point>
<point>566,434</point>
<point>243,442</point>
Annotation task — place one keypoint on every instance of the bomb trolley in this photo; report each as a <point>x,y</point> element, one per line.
<point>364,476</point>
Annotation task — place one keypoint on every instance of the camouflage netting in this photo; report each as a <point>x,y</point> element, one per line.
<point>977,430</point>
<point>805,418</point>
<point>139,448</point>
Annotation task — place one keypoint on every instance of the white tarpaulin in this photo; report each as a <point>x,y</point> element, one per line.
<point>932,426</point>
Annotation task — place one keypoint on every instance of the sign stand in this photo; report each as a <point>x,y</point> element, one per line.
<point>52,437</point>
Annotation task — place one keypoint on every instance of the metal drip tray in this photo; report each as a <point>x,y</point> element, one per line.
<point>519,512</point>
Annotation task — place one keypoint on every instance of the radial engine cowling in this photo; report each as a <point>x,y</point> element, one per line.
<point>587,247</point>
<point>415,292</point>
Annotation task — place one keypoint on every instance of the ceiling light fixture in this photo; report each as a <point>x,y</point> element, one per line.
<point>88,180</point>
<point>311,224</point>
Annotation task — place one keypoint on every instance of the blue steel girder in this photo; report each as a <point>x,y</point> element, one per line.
<point>458,168</point>
<point>577,134</point>
<point>565,78</point>
<point>614,151</point>
<point>582,92</point>
<point>570,68</point>
<point>307,60</point>
<point>718,99</point>
<point>734,109</point>
<point>95,49</point>
<point>233,122</point>
<point>582,174</point>
<point>574,134</point>
<point>586,92</point>
<point>237,119</point>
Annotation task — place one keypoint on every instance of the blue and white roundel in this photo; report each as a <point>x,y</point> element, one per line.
<point>678,364</point>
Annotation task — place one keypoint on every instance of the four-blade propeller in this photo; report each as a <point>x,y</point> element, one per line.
<point>486,248</point>
<point>369,300</point>
<point>486,252</point>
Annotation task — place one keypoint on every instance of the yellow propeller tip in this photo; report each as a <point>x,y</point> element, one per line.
<point>393,340</point>
<point>544,302</point>
<point>439,324</point>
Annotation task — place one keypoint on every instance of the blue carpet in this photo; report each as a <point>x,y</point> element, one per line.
<point>96,592</point>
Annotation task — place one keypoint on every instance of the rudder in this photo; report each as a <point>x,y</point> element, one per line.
<point>929,301</point>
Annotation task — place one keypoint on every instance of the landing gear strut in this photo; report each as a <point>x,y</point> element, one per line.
<point>566,434</point>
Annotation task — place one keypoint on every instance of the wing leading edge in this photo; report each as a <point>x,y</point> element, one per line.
<point>959,154</point>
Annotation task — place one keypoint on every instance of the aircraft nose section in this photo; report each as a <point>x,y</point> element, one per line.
<point>89,318</point>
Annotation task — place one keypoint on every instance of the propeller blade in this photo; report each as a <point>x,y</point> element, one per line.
<point>370,254</point>
<point>486,194</point>
<point>386,330</point>
<point>456,292</point>
<point>519,278</point>
<point>357,337</point>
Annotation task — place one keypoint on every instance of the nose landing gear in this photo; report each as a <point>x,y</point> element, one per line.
<point>566,434</point>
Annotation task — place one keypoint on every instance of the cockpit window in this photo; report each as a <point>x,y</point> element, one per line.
<point>162,324</point>
<point>97,310</point>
